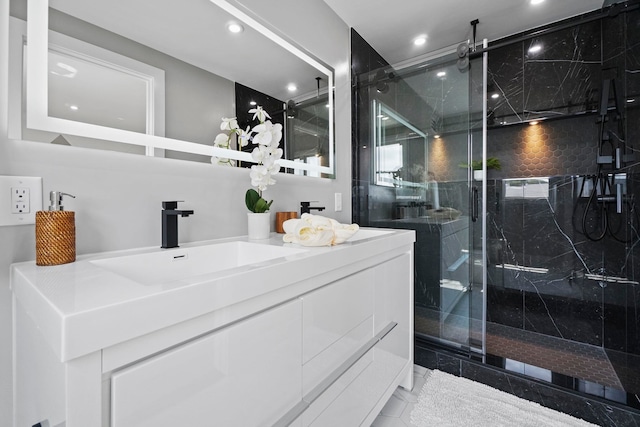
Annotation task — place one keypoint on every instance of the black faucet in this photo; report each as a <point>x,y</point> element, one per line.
<point>305,207</point>
<point>170,223</point>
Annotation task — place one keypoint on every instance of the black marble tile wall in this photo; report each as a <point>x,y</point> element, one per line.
<point>554,75</point>
<point>547,276</point>
<point>562,264</point>
<point>364,60</point>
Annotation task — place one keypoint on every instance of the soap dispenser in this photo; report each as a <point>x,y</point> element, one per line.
<point>55,233</point>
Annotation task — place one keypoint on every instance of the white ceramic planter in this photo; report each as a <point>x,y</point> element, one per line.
<point>259,225</point>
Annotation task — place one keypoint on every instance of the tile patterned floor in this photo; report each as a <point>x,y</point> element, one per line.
<point>566,357</point>
<point>582,361</point>
<point>397,411</point>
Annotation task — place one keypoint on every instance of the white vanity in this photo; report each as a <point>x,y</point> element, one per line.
<point>218,333</point>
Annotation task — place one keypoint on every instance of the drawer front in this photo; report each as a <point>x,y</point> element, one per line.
<point>330,313</point>
<point>199,382</point>
<point>321,366</point>
<point>361,392</point>
<point>394,303</point>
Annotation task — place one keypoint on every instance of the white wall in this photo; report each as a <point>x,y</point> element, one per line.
<point>119,195</point>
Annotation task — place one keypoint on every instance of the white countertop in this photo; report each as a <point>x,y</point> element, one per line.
<point>81,307</point>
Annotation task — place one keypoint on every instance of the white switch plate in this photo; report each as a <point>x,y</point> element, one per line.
<point>20,199</point>
<point>338,202</point>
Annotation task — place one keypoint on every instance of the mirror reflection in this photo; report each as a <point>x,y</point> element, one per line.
<point>400,153</point>
<point>189,68</point>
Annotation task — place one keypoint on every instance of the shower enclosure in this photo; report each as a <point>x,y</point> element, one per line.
<point>517,168</point>
<point>419,130</point>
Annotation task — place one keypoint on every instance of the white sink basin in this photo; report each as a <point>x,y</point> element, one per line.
<point>183,263</point>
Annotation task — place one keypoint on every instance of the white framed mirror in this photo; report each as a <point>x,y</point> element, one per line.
<point>267,64</point>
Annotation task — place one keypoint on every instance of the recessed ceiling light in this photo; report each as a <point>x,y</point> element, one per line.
<point>533,123</point>
<point>292,87</point>
<point>536,1</point>
<point>535,48</point>
<point>441,73</point>
<point>420,40</point>
<point>495,96</point>
<point>252,103</point>
<point>234,27</point>
<point>436,136</point>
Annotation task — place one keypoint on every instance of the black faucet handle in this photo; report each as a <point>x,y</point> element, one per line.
<point>305,207</point>
<point>171,204</point>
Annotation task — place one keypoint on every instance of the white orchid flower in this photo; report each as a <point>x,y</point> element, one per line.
<point>229,123</point>
<point>263,138</point>
<point>222,140</point>
<point>260,177</point>
<point>268,133</point>
<point>260,114</point>
<point>277,153</point>
<point>244,136</point>
<point>259,154</point>
<point>266,136</point>
<point>277,132</point>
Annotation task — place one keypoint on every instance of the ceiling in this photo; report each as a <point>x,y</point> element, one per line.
<point>198,35</point>
<point>390,27</point>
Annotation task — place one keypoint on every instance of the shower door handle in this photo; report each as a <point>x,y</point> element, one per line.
<point>474,203</point>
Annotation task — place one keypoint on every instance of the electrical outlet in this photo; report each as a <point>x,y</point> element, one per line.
<point>20,198</point>
<point>20,203</point>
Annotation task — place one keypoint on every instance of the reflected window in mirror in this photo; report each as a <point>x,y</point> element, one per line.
<point>400,155</point>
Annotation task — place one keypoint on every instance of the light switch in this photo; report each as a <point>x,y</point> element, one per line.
<point>338,202</point>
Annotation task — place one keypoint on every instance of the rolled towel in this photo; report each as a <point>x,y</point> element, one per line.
<point>317,230</point>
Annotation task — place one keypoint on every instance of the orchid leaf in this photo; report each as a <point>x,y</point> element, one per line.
<point>251,198</point>
<point>262,206</point>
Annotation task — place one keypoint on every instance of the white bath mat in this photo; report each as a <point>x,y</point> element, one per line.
<point>450,401</point>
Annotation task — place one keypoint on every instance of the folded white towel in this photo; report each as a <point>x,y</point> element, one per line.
<point>317,230</point>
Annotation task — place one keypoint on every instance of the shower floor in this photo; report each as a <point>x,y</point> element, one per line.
<point>583,367</point>
<point>570,358</point>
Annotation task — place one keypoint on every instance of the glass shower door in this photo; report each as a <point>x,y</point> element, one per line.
<point>417,172</point>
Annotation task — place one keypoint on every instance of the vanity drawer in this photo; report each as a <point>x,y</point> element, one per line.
<point>359,394</point>
<point>321,366</point>
<point>199,382</point>
<point>330,313</point>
